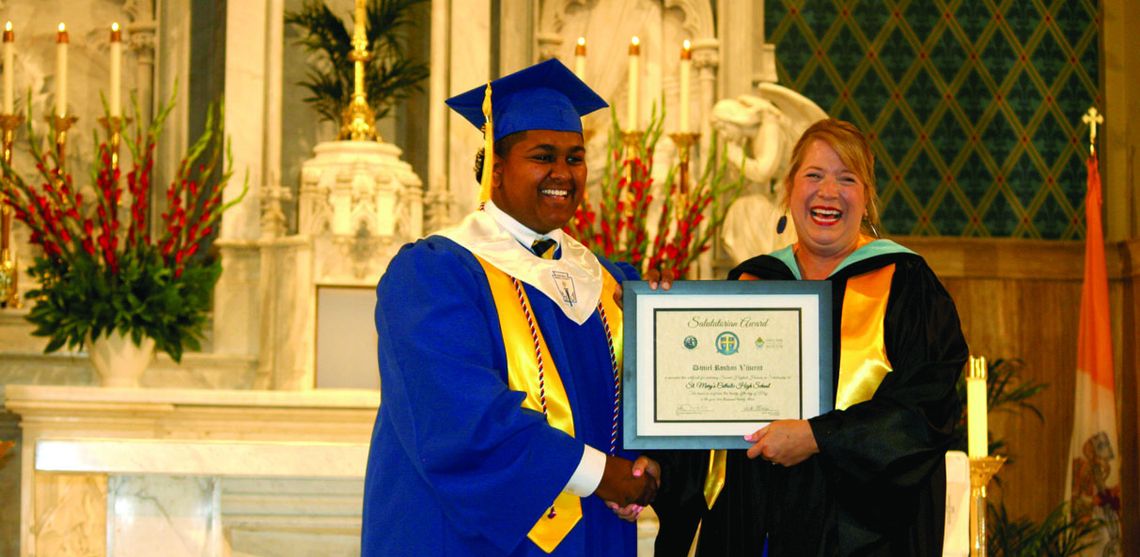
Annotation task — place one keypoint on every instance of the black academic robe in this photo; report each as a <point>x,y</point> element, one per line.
<point>877,486</point>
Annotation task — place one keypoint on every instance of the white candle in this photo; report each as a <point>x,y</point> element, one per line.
<point>61,71</point>
<point>686,67</point>
<point>634,56</point>
<point>358,23</point>
<point>580,59</point>
<point>116,100</point>
<point>976,409</point>
<point>9,67</point>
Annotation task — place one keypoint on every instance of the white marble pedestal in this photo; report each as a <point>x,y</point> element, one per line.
<point>190,472</point>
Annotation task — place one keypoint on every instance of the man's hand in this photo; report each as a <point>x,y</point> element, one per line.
<point>786,442</point>
<point>642,466</point>
<point>620,486</point>
<point>657,277</point>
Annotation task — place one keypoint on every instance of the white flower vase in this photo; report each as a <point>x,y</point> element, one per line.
<point>118,361</point>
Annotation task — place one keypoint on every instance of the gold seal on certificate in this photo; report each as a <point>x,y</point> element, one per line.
<point>710,361</point>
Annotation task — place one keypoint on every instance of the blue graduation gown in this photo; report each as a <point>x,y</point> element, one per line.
<point>457,466</point>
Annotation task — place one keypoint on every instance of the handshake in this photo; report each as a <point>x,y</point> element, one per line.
<point>627,487</point>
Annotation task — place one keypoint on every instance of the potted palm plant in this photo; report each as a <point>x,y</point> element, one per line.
<point>389,74</point>
<point>105,282</point>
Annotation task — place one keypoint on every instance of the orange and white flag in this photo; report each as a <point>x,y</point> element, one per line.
<point>1093,486</point>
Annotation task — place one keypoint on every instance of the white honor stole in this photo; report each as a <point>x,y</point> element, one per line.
<point>573,281</point>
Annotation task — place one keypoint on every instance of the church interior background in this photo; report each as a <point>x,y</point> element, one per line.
<point>255,444</point>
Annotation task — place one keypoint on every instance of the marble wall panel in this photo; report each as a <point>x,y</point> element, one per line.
<point>10,447</point>
<point>172,516</point>
<point>197,370</point>
<point>71,515</point>
<point>291,517</point>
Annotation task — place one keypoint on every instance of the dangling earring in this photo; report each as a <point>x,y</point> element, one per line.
<point>874,231</point>
<point>781,224</point>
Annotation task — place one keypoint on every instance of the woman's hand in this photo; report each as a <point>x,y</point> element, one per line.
<point>786,442</point>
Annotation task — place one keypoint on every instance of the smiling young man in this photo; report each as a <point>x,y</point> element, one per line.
<point>500,348</point>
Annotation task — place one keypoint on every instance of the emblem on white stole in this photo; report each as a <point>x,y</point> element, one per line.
<point>565,284</point>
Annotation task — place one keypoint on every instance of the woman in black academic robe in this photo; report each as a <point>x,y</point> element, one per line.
<point>867,478</point>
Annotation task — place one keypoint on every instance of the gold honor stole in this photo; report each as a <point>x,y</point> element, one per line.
<point>863,359</point>
<point>522,375</point>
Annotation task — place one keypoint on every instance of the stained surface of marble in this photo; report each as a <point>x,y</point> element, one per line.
<point>180,515</point>
<point>70,515</point>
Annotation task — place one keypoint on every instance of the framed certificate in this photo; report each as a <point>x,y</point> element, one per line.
<point>708,362</point>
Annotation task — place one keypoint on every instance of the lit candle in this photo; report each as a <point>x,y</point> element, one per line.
<point>976,408</point>
<point>61,71</point>
<point>634,56</point>
<point>9,67</point>
<point>116,71</point>
<point>580,59</point>
<point>686,66</point>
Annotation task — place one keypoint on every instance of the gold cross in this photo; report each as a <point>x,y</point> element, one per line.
<point>1092,118</point>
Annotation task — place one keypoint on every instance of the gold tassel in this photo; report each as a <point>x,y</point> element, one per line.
<point>488,148</point>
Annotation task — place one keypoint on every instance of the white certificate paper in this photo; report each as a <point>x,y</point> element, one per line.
<point>728,365</point>
<point>710,361</point>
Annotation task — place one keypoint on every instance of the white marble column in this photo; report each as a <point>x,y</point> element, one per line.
<point>470,65</point>
<point>516,35</point>
<point>247,43</point>
<point>738,34</point>
<point>439,201</point>
<point>706,60</point>
<point>141,43</point>
<point>248,116</point>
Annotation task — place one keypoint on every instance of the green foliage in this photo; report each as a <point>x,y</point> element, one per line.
<point>1056,536</point>
<point>389,75</point>
<point>81,301</point>
<point>100,270</point>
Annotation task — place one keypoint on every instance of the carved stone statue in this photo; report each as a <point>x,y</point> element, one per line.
<point>761,130</point>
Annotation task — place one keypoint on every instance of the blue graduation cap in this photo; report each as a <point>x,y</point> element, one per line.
<point>545,96</point>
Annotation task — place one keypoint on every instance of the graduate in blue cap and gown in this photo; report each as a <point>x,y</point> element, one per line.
<point>500,351</point>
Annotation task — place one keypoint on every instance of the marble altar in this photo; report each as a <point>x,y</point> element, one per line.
<point>196,472</point>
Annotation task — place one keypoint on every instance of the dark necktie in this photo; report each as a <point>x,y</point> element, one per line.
<point>544,248</point>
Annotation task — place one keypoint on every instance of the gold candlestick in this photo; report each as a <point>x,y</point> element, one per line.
<point>632,142</point>
<point>114,126</point>
<point>684,142</point>
<point>9,273</point>
<point>61,124</point>
<point>981,470</point>
<point>359,120</point>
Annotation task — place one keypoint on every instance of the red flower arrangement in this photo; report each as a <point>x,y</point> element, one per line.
<point>100,270</point>
<point>687,218</point>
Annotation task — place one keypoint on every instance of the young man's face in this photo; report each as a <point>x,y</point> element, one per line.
<point>542,178</point>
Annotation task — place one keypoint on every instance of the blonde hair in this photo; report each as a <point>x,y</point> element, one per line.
<point>855,152</point>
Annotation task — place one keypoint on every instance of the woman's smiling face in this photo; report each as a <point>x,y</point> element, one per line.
<point>827,203</point>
